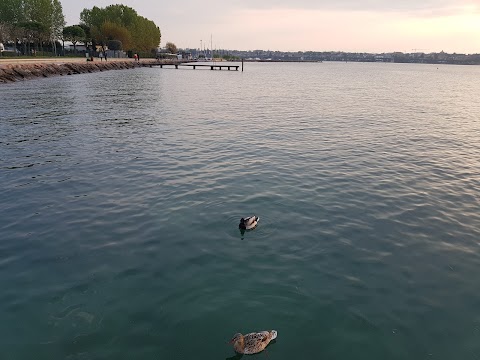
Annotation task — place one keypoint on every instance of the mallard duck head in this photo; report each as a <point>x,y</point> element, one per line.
<point>242,224</point>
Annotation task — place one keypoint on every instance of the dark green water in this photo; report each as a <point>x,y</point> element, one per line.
<point>122,191</point>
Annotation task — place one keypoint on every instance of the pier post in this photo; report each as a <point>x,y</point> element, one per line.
<point>242,64</point>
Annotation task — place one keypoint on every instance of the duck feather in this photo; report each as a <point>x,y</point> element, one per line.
<point>255,342</point>
<point>249,222</point>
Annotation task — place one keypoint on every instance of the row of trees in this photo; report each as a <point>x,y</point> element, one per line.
<point>34,22</point>
<point>121,24</point>
<point>31,21</point>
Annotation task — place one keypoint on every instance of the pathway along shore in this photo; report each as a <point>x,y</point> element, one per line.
<point>12,70</point>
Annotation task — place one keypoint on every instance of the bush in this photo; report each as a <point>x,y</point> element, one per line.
<point>114,45</point>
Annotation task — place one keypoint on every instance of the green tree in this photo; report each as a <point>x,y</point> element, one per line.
<point>33,32</point>
<point>57,19</point>
<point>88,36</point>
<point>19,15</point>
<point>114,45</point>
<point>74,34</point>
<point>146,35</point>
<point>57,23</point>
<point>11,11</point>
<point>120,22</point>
<point>112,31</point>
<point>5,30</point>
<point>39,11</point>
<point>171,47</point>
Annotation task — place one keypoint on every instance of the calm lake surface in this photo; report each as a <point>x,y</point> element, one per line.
<point>122,192</point>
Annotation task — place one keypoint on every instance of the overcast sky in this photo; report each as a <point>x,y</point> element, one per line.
<point>317,25</point>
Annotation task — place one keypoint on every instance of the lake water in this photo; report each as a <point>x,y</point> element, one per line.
<point>122,192</point>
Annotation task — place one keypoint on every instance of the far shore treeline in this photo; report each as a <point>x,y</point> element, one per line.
<point>37,27</point>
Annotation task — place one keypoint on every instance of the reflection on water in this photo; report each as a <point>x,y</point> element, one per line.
<point>123,191</point>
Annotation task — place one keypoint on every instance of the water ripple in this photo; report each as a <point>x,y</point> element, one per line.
<point>120,210</point>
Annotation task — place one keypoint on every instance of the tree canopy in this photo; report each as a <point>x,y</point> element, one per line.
<point>171,47</point>
<point>43,20</point>
<point>114,45</point>
<point>32,16</point>
<point>74,34</point>
<point>122,23</point>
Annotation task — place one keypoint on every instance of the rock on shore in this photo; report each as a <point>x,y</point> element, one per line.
<point>16,72</point>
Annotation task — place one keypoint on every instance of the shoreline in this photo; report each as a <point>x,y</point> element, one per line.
<point>14,70</point>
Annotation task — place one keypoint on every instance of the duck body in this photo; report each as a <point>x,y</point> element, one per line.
<point>248,223</point>
<point>252,343</point>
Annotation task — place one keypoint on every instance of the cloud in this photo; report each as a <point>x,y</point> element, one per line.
<point>352,5</point>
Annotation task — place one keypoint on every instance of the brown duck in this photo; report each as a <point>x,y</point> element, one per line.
<point>252,343</point>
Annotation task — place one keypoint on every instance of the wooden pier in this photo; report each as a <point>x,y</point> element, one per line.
<point>194,66</point>
<point>189,64</point>
<point>213,67</point>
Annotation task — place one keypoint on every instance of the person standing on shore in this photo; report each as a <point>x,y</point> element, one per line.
<point>135,57</point>
<point>105,55</point>
<point>138,58</point>
<point>100,56</point>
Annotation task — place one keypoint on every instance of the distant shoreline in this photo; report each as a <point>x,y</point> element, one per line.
<point>14,70</point>
<point>358,61</point>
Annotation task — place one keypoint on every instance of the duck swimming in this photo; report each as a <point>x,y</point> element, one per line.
<point>252,343</point>
<point>248,223</point>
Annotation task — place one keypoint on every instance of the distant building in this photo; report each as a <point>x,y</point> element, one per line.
<point>79,47</point>
<point>164,54</point>
<point>185,55</point>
